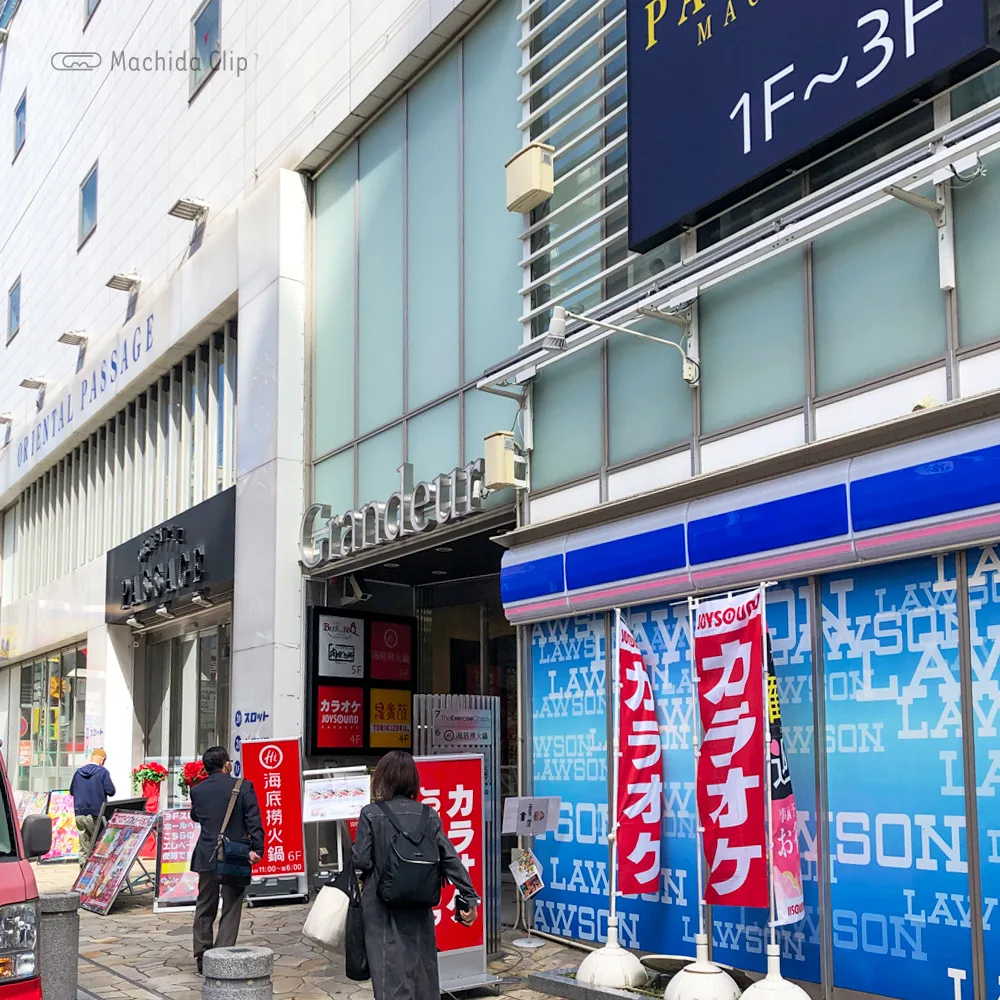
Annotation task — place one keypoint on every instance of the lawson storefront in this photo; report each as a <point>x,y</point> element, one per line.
<point>886,632</point>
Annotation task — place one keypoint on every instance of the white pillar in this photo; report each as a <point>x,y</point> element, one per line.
<point>112,714</point>
<point>273,228</point>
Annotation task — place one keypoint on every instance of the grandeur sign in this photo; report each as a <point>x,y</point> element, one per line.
<point>411,510</point>
<point>726,96</point>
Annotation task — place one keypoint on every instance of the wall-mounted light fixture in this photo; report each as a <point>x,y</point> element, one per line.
<point>162,612</point>
<point>189,209</point>
<point>74,338</point>
<point>201,600</point>
<point>4,35</point>
<point>124,282</point>
<point>133,621</point>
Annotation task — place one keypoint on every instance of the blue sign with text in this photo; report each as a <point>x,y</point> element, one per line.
<point>726,96</point>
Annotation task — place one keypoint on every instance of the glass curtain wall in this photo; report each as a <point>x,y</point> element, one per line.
<point>417,275</point>
<point>51,740</point>
<point>187,699</point>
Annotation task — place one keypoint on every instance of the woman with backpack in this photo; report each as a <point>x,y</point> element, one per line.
<point>403,857</point>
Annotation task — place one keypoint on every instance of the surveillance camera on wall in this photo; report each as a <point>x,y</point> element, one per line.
<point>353,594</point>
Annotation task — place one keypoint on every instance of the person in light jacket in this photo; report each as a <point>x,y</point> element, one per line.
<point>402,950</point>
<point>209,802</point>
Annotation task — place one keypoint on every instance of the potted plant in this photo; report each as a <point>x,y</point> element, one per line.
<point>193,773</point>
<point>149,777</point>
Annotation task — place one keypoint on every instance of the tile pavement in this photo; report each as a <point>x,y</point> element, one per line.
<point>135,954</point>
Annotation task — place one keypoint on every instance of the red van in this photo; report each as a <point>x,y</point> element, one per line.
<point>20,972</point>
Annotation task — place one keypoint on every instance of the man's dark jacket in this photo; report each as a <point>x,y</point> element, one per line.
<point>91,787</point>
<point>209,801</point>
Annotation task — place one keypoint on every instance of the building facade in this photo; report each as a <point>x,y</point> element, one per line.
<point>836,437</point>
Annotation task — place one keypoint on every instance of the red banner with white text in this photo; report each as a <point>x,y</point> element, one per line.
<point>728,649</point>
<point>275,768</point>
<point>640,776</point>
<point>453,787</point>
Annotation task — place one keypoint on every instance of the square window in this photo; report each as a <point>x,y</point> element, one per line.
<point>20,123</point>
<point>88,205</point>
<point>13,310</point>
<point>206,43</point>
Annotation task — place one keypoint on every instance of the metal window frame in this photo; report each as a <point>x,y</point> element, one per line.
<point>92,174</point>
<point>12,332</point>
<point>195,86</point>
<point>20,111</point>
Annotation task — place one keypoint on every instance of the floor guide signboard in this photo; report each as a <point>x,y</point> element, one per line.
<point>900,920</point>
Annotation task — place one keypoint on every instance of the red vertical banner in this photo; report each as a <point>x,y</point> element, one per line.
<point>453,786</point>
<point>729,660</point>
<point>640,774</point>
<point>275,768</point>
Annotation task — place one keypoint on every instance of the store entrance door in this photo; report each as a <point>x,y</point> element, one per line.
<point>187,700</point>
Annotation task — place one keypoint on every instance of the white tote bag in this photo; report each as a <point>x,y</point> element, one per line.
<point>327,920</point>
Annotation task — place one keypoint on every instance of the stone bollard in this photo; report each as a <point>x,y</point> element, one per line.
<point>59,944</point>
<point>238,974</point>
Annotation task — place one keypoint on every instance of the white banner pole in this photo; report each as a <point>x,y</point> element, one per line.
<point>767,766</point>
<point>615,753</point>
<point>696,744</point>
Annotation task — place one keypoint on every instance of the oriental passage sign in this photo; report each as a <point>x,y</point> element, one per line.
<point>726,96</point>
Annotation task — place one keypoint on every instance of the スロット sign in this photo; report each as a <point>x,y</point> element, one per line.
<point>726,96</point>
<point>275,769</point>
<point>640,781</point>
<point>453,786</point>
<point>729,655</point>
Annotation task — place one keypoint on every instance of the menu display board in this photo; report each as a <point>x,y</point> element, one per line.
<point>176,884</point>
<point>114,855</point>
<point>31,804</point>
<point>361,679</point>
<point>335,799</point>
<point>65,836</point>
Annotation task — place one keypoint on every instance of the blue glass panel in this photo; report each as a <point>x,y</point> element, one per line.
<point>899,886</point>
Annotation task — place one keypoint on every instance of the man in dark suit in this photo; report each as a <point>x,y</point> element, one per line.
<point>209,802</point>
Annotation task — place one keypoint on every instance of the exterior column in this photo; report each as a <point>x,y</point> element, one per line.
<point>111,711</point>
<point>273,228</point>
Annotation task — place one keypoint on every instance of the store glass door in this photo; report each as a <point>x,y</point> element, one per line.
<point>187,701</point>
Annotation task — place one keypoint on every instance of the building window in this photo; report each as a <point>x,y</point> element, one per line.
<point>90,6</point>
<point>20,123</point>
<point>88,205</point>
<point>14,310</point>
<point>205,44</point>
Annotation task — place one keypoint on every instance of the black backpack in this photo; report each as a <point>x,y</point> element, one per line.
<point>411,874</point>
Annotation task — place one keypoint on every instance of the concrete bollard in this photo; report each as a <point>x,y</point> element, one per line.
<point>238,974</point>
<point>59,944</point>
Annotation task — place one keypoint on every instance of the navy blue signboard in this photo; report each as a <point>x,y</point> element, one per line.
<point>726,96</point>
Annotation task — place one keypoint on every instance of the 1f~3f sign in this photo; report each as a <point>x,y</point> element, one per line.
<point>726,96</point>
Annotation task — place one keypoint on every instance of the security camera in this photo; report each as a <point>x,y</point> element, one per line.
<point>353,594</point>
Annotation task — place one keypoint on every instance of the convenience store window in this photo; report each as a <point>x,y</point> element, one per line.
<point>52,731</point>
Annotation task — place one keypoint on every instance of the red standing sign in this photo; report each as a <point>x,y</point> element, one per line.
<point>275,768</point>
<point>728,650</point>
<point>453,786</point>
<point>640,776</point>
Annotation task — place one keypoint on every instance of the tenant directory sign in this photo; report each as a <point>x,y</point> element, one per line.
<point>361,678</point>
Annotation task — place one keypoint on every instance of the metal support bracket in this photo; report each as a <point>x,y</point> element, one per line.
<point>933,208</point>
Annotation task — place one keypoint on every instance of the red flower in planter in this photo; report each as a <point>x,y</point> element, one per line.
<point>192,773</point>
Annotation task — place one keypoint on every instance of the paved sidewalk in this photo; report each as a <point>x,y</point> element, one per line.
<point>134,954</point>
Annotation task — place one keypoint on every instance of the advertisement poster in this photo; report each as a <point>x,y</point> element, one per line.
<point>391,719</point>
<point>453,786</point>
<point>341,647</point>
<point>340,723</point>
<point>786,865</point>
<point>31,804</point>
<point>65,836</point>
<point>115,853</point>
<point>275,769</point>
<point>527,875</point>
<point>728,643</point>
<point>638,814</point>
<point>391,652</point>
<point>335,799</point>
<point>176,884</point>
<point>24,753</point>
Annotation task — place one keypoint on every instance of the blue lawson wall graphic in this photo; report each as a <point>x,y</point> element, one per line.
<point>726,95</point>
<point>570,726</point>
<point>899,891</point>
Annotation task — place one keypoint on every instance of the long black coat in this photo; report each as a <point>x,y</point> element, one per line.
<point>209,801</point>
<point>402,950</point>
